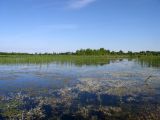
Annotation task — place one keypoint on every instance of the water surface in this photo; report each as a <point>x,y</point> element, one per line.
<point>118,89</point>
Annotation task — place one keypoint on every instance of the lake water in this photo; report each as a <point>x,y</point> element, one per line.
<point>116,90</point>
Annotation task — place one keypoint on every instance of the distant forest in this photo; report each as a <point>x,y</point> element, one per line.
<point>89,51</point>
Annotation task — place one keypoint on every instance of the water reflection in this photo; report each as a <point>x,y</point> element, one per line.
<point>118,89</point>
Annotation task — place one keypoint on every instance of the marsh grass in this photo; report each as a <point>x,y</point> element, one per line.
<point>150,61</point>
<point>38,59</point>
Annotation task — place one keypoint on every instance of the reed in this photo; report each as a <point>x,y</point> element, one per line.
<point>38,59</point>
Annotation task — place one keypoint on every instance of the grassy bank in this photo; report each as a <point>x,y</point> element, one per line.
<point>76,59</point>
<point>6,59</point>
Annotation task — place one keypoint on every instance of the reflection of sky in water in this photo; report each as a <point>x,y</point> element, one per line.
<point>54,76</point>
<point>67,89</point>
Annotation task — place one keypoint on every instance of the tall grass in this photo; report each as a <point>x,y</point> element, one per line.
<point>75,59</point>
<point>149,61</point>
<point>38,59</point>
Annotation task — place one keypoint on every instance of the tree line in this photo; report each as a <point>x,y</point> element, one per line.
<point>101,51</point>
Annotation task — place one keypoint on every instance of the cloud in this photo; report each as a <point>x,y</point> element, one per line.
<point>77,4</point>
<point>59,4</point>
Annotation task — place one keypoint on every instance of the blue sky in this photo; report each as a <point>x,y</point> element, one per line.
<point>68,25</point>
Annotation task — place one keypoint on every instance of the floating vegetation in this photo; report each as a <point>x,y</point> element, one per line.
<point>119,90</point>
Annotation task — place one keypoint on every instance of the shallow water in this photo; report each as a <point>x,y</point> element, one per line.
<point>119,89</point>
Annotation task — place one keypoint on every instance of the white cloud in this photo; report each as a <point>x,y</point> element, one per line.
<point>58,4</point>
<point>77,4</point>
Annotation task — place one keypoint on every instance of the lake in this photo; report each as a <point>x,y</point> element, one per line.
<point>119,89</point>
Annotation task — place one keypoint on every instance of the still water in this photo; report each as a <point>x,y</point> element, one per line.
<point>116,90</point>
